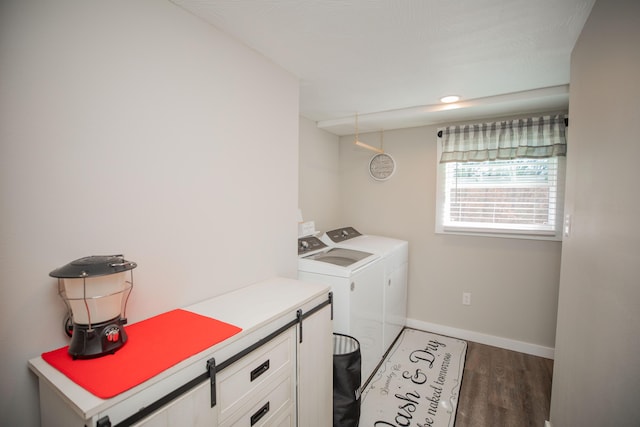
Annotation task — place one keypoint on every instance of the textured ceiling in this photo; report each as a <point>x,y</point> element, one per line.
<point>390,61</point>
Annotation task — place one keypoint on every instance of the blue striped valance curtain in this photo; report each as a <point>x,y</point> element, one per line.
<point>534,137</point>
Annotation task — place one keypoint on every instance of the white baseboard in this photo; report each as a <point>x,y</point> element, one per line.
<point>509,344</point>
<point>547,424</point>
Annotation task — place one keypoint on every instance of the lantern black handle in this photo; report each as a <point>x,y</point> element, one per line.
<point>123,264</point>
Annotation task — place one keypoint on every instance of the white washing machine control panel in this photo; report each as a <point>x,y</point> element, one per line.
<point>309,244</point>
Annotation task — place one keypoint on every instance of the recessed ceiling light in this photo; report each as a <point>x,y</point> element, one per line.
<point>450,99</point>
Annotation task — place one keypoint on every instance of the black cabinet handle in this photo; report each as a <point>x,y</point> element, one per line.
<point>264,367</point>
<point>260,413</point>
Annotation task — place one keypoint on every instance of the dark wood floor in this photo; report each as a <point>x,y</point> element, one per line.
<point>503,388</point>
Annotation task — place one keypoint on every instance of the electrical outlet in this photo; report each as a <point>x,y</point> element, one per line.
<point>466,298</point>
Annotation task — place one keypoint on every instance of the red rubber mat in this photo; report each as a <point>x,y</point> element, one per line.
<point>153,346</point>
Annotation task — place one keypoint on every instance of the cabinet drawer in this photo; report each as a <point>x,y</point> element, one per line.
<point>245,380</point>
<point>276,406</point>
<point>286,419</point>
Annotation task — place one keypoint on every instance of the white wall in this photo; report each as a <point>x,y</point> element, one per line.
<point>319,191</point>
<point>132,127</point>
<point>596,377</point>
<point>514,283</point>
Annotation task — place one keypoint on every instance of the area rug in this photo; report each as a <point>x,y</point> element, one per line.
<point>417,384</point>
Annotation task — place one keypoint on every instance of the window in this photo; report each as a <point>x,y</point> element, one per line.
<point>513,197</point>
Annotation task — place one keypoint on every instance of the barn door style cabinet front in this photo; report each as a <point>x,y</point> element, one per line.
<point>277,371</point>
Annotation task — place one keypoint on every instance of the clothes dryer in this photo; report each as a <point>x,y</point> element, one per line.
<point>395,258</point>
<point>357,280</point>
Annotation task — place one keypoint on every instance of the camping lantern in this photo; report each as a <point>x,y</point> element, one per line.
<point>95,290</point>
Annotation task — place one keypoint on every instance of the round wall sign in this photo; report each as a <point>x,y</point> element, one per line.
<point>382,166</point>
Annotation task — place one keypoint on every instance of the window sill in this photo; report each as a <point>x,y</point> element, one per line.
<point>523,235</point>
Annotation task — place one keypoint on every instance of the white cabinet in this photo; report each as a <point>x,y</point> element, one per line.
<point>190,409</point>
<point>277,371</point>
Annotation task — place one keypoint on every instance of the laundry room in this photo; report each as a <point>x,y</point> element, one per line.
<point>504,276</point>
<point>140,129</point>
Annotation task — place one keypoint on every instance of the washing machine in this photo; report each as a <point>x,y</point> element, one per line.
<point>357,279</point>
<point>395,258</point>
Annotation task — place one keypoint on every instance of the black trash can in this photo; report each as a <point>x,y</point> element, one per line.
<point>347,373</point>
